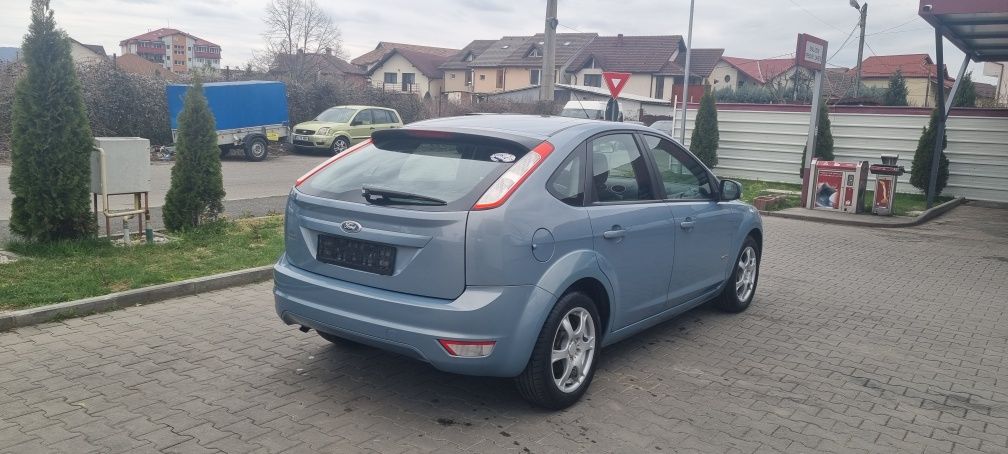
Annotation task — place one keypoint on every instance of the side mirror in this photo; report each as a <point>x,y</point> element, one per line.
<point>730,190</point>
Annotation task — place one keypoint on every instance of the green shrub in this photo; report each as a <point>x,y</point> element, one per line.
<point>705,137</point>
<point>196,193</point>
<point>824,136</point>
<point>966,96</point>
<point>920,170</point>
<point>50,141</point>
<point>896,93</point>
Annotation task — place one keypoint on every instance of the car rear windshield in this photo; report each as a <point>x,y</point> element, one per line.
<point>336,115</point>
<point>416,173</point>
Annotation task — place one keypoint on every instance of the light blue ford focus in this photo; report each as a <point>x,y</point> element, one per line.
<point>512,246</point>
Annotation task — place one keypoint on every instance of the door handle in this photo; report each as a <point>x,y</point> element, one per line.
<point>687,224</point>
<point>616,233</point>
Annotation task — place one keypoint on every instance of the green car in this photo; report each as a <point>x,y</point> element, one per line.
<point>337,128</point>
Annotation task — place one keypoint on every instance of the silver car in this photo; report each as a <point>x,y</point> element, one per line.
<point>512,246</point>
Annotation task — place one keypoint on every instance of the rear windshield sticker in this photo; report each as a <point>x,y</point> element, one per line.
<point>502,157</point>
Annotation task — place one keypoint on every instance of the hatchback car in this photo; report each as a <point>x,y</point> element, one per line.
<point>512,246</point>
<point>337,128</point>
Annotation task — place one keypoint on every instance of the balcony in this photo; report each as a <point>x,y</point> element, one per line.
<point>210,55</point>
<point>401,88</point>
<point>150,50</point>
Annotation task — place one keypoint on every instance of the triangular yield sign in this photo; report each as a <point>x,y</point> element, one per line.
<point>615,81</point>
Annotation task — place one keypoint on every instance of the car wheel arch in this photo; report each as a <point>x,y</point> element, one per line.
<point>580,271</point>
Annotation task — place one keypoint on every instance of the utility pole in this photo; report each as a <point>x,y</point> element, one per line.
<point>548,73</point>
<point>860,51</point>
<point>686,74</point>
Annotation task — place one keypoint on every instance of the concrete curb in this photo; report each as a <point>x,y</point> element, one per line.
<point>920,219</point>
<point>140,296</point>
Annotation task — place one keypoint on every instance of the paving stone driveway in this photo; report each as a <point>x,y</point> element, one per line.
<point>859,340</point>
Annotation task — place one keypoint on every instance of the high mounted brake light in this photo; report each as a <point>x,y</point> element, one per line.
<point>331,160</point>
<point>508,183</point>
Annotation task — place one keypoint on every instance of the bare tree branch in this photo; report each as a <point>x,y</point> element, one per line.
<point>299,37</point>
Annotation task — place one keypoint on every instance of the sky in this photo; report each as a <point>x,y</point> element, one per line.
<point>747,28</point>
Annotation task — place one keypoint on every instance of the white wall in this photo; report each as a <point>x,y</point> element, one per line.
<point>768,146</point>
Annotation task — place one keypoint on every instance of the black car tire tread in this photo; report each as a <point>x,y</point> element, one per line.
<point>728,300</point>
<point>536,382</point>
<point>251,143</point>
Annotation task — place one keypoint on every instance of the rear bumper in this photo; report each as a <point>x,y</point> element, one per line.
<point>411,325</point>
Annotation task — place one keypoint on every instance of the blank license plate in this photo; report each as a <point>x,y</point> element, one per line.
<point>359,255</point>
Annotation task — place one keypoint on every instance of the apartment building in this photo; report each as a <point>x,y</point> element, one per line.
<point>175,50</point>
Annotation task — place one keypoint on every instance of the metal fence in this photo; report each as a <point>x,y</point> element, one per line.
<point>766,142</point>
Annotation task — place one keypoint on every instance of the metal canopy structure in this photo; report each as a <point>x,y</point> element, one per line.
<point>979,28</point>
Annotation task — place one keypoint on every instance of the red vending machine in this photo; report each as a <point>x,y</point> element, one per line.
<point>837,186</point>
<point>885,184</point>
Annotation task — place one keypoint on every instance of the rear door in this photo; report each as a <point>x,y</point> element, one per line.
<point>362,125</point>
<point>634,234</point>
<point>408,234</point>
<point>704,227</point>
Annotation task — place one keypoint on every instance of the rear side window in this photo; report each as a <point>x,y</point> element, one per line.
<point>455,172</point>
<point>566,183</point>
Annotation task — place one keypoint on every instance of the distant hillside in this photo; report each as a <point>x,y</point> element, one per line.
<point>8,53</point>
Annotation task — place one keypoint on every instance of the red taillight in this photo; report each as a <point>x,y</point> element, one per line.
<point>330,161</point>
<point>508,183</point>
<point>468,349</point>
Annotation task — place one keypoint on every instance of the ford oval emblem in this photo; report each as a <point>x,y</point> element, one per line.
<point>351,226</point>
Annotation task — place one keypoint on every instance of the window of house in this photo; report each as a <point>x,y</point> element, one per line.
<point>468,77</point>
<point>535,52</point>
<point>391,78</point>
<point>482,76</point>
<point>500,78</point>
<point>451,75</point>
<point>469,57</point>
<point>534,76</point>
<point>727,78</point>
<point>659,87</point>
<point>593,80</point>
<point>408,81</point>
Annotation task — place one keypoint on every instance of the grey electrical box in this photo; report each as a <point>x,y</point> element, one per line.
<point>127,165</point>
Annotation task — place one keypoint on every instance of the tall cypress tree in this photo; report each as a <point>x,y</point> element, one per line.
<point>51,141</point>
<point>896,93</point>
<point>705,137</point>
<point>196,193</point>
<point>824,136</point>
<point>966,97</point>
<point>920,170</point>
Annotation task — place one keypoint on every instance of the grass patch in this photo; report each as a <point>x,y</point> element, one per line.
<point>66,271</point>
<point>904,204</point>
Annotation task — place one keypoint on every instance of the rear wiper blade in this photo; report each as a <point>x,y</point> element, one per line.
<point>376,194</point>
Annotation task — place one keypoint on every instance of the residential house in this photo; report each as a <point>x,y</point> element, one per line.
<point>135,64</point>
<point>383,48</point>
<point>315,66</point>
<point>656,65</point>
<point>919,70</point>
<point>458,75</point>
<point>985,94</point>
<point>735,72</point>
<point>176,50</point>
<point>409,71</point>
<point>998,70</point>
<point>87,53</point>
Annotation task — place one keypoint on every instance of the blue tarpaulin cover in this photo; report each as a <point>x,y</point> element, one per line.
<point>236,104</point>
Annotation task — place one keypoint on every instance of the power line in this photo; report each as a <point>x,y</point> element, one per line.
<point>816,17</point>
<point>892,28</point>
<point>849,36</point>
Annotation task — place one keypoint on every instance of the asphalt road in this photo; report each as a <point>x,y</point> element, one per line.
<point>253,188</point>
<point>859,340</point>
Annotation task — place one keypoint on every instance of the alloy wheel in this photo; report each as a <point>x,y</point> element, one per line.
<point>573,349</point>
<point>745,282</point>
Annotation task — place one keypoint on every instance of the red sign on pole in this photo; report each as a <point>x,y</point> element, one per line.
<point>615,82</point>
<point>811,52</point>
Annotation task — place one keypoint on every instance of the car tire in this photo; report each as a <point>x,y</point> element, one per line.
<point>256,149</point>
<point>740,289</point>
<point>539,382</point>
<point>339,145</point>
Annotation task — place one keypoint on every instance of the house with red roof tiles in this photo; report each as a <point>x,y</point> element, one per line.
<point>919,70</point>
<point>175,50</point>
